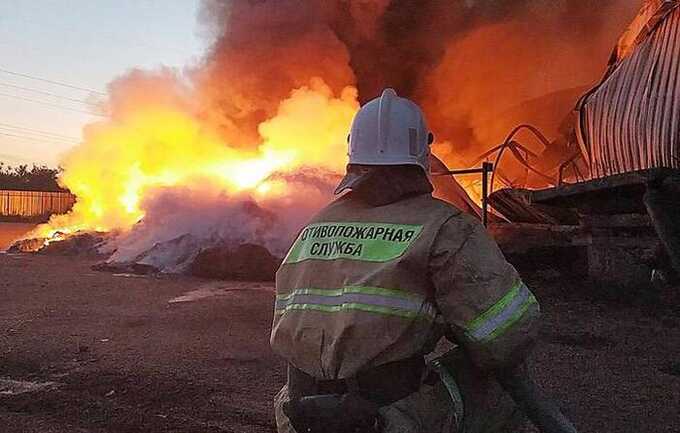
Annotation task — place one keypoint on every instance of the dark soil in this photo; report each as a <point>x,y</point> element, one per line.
<point>127,360</point>
<point>124,359</point>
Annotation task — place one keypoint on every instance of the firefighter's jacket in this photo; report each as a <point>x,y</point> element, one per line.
<point>364,285</point>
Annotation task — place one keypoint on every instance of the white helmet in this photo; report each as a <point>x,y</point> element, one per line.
<point>388,130</point>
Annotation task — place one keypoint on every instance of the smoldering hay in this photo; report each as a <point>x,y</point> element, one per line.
<point>245,145</point>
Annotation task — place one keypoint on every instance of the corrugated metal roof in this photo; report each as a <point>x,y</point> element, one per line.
<point>650,15</point>
<point>631,121</point>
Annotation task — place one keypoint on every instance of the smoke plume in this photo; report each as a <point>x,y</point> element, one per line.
<point>257,130</point>
<point>468,62</point>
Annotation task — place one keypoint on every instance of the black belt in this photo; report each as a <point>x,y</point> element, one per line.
<point>383,384</point>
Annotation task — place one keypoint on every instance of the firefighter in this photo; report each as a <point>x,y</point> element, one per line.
<point>376,279</point>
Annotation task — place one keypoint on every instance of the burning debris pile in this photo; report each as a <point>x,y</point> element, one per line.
<point>77,244</point>
<point>242,148</point>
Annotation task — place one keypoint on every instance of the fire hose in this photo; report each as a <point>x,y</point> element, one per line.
<point>538,407</point>
<point>328,413</point>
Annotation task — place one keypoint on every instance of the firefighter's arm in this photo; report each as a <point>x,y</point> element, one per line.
<point>487,306</point>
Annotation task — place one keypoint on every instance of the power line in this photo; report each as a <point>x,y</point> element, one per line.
<point>57,83</point>
<point>34,139</point>
<point>7,125</point>
<point>47,104</point>
<point>17,134</point>
<point>42,92</point>
<point>34,135</point>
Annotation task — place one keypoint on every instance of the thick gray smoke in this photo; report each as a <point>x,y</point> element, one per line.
<point>413,36</point>
<point>465,61</point>
<point>478,67</point>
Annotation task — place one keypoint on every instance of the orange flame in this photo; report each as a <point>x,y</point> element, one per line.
<point>125,159</point>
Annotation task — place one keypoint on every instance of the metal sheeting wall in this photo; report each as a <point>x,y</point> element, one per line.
<point>34,203</point>
<point>632,120</point>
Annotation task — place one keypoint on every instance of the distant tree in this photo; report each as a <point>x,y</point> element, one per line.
<point>37,178</point>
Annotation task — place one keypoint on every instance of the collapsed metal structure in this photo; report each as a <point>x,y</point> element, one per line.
<point>631,120</point>
<point>618,202</point>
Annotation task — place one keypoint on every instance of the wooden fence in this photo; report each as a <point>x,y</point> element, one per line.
<point>34,203</point>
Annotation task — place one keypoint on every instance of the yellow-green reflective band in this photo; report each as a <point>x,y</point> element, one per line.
<point>368,299</point>
<point>379,291</point>
<point>502,315</point>
<point>371,242</point>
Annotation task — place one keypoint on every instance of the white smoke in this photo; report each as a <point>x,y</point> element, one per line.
<point>180,222</point>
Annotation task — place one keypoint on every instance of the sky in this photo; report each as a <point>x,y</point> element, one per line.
<point>85,44</point>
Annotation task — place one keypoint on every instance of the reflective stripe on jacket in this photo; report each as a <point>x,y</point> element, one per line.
<point>361,286</point>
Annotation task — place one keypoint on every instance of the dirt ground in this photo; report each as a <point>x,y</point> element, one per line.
<point>84,351</point>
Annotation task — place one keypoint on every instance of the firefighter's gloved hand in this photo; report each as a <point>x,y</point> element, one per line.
<point>332,413</point>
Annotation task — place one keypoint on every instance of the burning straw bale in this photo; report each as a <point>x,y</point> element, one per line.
<point>77,244</point>
<point>27,245</point>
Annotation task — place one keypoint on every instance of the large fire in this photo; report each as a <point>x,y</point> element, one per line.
<point>125,159</point>
<point>259,126</point>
